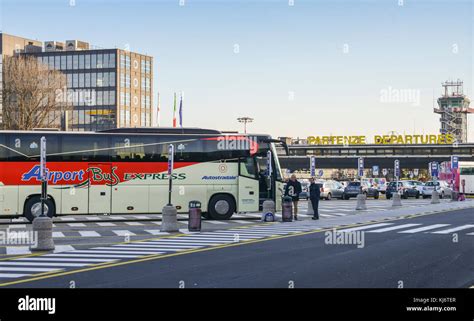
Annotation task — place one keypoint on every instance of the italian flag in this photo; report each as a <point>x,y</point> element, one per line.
<point>174,111</point>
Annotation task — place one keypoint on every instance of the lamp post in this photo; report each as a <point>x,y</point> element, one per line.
<point>245,120</point>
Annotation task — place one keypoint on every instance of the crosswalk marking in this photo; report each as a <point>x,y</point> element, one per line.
<point>43,264</point>
<point>455,229</point>
<point>76,224</point>
<point>424,228</point>
<point>241,221</point>
<point>17,250</point>
<point>112,256</point>
<point>52,259</point>
<point>89,233</point>
<point>123,232</point>
<point>106,224</point>
<point>58,234</point>
<point>134,223</point>
<point>215,222</point>
<point>108,250</point>
<point>140,245</point>
<point>157,232</point>
<point>63,248</point>
<point>364,227</point>
<point>27,269</point>
<point>12,275</point>
<point>66,218</point>
<point>392,228</point>
<point>152,250</point>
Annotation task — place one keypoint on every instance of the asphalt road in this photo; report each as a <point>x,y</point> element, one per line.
<point>388,259</point>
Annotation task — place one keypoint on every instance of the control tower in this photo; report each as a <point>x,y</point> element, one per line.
<point>453,107</point>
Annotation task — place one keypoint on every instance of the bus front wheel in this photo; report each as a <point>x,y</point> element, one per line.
<point>221,207</point>
<point>33,208</point>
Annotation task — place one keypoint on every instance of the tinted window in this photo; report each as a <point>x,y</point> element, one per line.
<point>84,148</point>
<point>26,147</point>
<point>354,184</point>
<point>3,150</point>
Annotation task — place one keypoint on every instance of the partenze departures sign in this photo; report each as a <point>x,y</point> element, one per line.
<point>441,139</point>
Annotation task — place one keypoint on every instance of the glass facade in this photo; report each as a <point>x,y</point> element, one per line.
<point>101,90</point>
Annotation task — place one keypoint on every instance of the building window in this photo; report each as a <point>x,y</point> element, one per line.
<point>100,61</point>
<point>94,79</point>
<point>81,80</point>
<point>127,81</point>
<point>93,61</point>
<point>112,97</point>
<point>81,61</point>
<point>99,79</point>
<point>63,62</point>
<point>88,80</point>
<point>87,62</point>
<point>75,61</point>
<point>112,79</point>
<point>75,80</point>
<point>69,80</point>
<point>112,60</point>
<point>69,62</point>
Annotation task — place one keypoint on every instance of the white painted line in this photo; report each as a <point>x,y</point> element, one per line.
<point>151,251</point>
<point>157,232</point>
<point>363,227</point>
<point>181,244</point>
<point>455,229</point>
<point>156,222</point>
<point>113,217</point>
<point>392,228</point>
<point>66,218</point>
<point>41,263</point>
<point>470,234</point>
<point>108,250</point>
<point>111,256</point>
<point>186,231</point>
<point>11,275</point>
<point>188,242</point>
<point>133,223</point>
<point>62,259</point>
<point>76,224</point>
<point>241,221</point>
<point>63,248</point>
<point>58,234</point>
<point>425,228</point>
<point>17,250</point>
<point>152,246</point>
<point>215,222</point>
<point>89,233</point>
<point>123,232</point>
<point>15,226</point>
<point>106,224</point>
<point>140,217</point>
<point>90,218</point>
<point>27,269</point>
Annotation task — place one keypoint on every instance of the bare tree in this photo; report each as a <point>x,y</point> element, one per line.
<point>32,94</point>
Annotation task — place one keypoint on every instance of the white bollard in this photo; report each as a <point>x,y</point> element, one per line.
<point>169,222</point>
<point>43,230</point>
<point>435,197</point>
<point>397,200</point>
<point>268,207</point>
<point>361,205</point>
<point>310,210</point>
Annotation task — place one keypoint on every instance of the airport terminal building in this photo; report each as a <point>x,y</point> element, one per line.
<point>337,156</point>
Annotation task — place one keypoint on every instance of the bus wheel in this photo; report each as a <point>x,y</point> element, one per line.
<point>221,207</point>
<point>33,208</point>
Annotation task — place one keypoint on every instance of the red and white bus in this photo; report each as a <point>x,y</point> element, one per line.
<point>124,171</point>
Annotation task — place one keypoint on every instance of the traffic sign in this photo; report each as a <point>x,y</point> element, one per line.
<point>360,170</point>
<point>170,159</point>
<point>384,172</point>
<point>321,172</point>
<point>312,166</point>
<point>396,168</point>
<point>434,169</point>
<point>269,164</point>
<point>375,170</point>
<point>454,162</point>
<point>43,158</point>
<point>416,171</point>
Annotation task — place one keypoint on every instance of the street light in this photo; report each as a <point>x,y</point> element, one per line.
<point>245,120</point>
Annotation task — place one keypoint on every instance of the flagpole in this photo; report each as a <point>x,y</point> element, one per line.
<point>158,111</point>
<point>181,110</point>
<point>174,111</point>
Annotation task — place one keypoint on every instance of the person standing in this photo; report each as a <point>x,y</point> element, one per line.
<point>314,195</point>
<point>293,190</point>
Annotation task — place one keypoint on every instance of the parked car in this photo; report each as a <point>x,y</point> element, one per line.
<point>332,189</point>
<point>417,184</point>
<point>304,190</point>
<point>406,188</point>
<point>355,188</point>
<point>442,188</point>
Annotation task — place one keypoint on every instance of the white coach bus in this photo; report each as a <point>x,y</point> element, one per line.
<point>123,171</point>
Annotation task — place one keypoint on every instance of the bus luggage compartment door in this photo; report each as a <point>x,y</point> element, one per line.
<point>100,188</point>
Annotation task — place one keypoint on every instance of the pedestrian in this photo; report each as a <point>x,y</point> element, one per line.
<point>314,195</point>
<point>293,190</point>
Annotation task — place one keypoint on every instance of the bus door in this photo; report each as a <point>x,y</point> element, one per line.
<point>248,200</point>
<point>266,186</point>
<point>100,188</point>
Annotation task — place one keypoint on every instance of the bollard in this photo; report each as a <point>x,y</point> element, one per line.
<point>435,197</point>
<point>454,196</point>
<point>361,205</point>
<point>310,210</point>
<point>268,207</point>
<point>287,209</point>
<point>194,220</point>
<point>43,228</point>
<point>169,222</point>
<point>397,199</point>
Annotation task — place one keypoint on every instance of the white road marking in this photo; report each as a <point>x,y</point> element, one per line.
<point>89,233</point>
<point>76,224</point>
<point>58,234</point>
<point>241,221</point>
<point>17,250</point>
<point>42,263</point>
<point>106,224</point>
<point>363,227</point>
<point>117,251</point>
<point>62,259</point>
<point>424,228</point>
<point>12,275</point>
<point>123,232</point>
<point>111,256</point>
<point>27,269</point>
<point>152,246</point>
<point>214,222</point>
<point>63,248</point>
<point>455,229</point>
<point>392,228</point>
<point>133,223</point>
<point>157,232</point>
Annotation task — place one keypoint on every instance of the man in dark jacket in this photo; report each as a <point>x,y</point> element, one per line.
<point>314,195</point>
<point>293,190</point>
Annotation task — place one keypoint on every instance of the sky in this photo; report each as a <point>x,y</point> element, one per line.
<point>298,67</point>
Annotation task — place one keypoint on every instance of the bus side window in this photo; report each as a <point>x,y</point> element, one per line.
<point>247,167</point>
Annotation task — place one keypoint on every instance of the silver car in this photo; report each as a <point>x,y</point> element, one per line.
<point>442,188</point>
<point>332,189</point>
